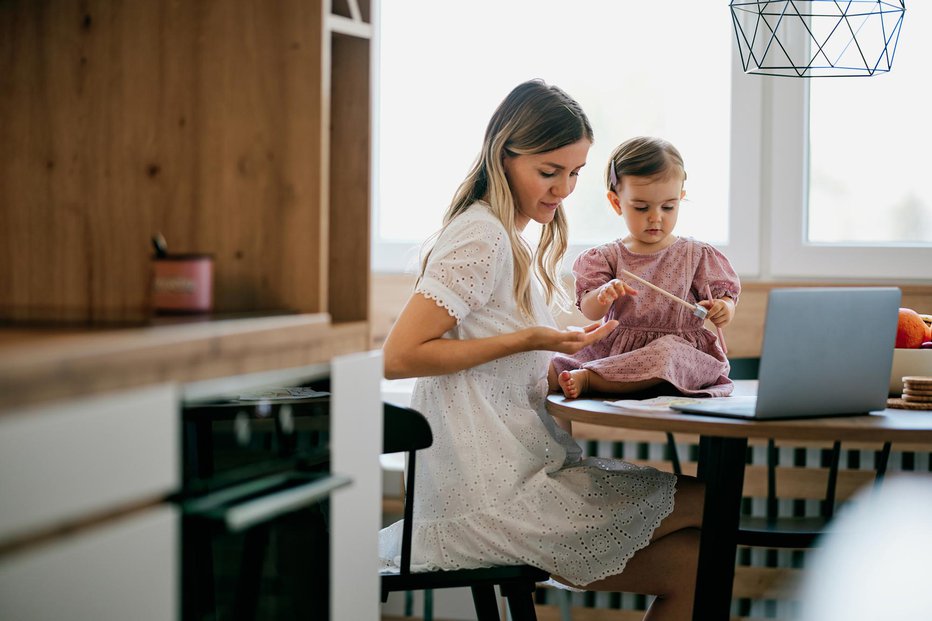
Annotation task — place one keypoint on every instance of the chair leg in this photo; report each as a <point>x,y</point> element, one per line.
<point>520,598</point>
<point>483,598</point>
<point>428,605</point>
<point>566,604</point>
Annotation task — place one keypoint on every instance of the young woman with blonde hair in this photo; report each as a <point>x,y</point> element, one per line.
<point>502,484</point>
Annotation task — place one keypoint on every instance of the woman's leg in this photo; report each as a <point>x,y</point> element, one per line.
<point>553,383</point>
<point>666,567</point>
<point>687,507</point>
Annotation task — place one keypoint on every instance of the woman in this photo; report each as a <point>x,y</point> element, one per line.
<point>502,484</point>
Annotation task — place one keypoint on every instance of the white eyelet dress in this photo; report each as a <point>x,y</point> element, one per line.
<point>502,484</point>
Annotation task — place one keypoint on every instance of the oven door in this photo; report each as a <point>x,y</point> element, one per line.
<point>254,502</point>
<point>259,549</point>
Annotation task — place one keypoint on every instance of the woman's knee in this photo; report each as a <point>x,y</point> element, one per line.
<point>690,499</point>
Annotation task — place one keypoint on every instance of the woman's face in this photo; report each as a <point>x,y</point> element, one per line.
<point>540,182</point>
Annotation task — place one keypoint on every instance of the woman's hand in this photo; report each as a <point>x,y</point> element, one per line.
<point>721,311</point>
<point>567,341</point>
<point>416,346</point>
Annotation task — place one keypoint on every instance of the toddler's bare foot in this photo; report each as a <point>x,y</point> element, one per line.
<point>574,383</point>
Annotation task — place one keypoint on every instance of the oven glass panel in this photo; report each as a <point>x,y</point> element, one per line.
<point>255,536</point>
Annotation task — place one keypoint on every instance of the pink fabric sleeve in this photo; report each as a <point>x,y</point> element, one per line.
<point>592,269</point>
<point>715,270</point>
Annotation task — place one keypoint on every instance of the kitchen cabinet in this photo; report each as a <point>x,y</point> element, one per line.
<point>90,456</point>
<point>82,534</point>
<point>238,128</point>
<point>125,568</point>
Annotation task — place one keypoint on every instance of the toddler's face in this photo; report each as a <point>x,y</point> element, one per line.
<point>541,181</point>
<point>650,206</point>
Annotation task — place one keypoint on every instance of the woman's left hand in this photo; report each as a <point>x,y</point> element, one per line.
<point>567,341</point>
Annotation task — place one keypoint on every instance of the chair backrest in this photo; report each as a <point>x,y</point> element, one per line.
<point>405,430</point>
<point>747,368</point>
<point>744,368</point>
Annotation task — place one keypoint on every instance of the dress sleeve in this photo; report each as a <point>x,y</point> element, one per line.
<point>463,267</point>
<point>715,269</point>
<point>592,269</point>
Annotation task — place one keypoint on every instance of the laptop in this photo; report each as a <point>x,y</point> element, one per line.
<point>826,352</point>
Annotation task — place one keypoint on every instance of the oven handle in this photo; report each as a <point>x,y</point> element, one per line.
<point>239,517</point>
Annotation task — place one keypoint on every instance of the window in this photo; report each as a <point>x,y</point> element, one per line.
<point>869,151</point>
<point>842,201</point>
<point>851,201</point>
<point>440,84</point>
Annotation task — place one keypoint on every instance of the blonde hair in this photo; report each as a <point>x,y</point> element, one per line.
<point>534,118</point>
<point>642,156</point>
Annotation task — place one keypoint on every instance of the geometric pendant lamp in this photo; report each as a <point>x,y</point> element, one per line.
<point>817,38</point>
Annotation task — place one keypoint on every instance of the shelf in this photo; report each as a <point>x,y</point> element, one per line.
<point>38,366</point>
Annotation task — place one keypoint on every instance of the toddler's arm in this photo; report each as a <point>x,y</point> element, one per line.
<point>594,304</point>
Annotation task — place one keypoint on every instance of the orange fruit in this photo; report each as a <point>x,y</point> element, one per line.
<point>911,330</point>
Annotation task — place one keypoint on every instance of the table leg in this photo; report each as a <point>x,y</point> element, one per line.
<point>721,468</point>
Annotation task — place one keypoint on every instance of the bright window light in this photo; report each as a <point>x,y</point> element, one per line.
<point>634,67</point>
<point>869,149</point>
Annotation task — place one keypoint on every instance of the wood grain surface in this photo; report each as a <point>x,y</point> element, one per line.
<point>201,120</point>
<point>44,365</point>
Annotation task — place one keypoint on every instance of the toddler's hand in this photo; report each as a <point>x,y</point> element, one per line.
<point>612,290</point>
<point>721,312</point>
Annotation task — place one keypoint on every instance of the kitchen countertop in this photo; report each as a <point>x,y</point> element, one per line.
<point>46,364</point>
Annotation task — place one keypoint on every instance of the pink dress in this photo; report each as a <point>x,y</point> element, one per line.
<point>656,337</point>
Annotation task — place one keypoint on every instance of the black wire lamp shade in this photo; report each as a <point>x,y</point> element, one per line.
<point>817,38</point>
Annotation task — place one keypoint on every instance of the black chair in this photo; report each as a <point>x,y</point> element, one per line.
<point>406,430</point>
<point>773,530</point>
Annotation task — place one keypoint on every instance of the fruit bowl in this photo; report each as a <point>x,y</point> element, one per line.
<point>909,362</point>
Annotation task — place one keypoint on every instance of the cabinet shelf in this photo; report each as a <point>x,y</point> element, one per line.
<point>234,127</point>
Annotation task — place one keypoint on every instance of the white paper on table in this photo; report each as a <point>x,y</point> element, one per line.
<point>662,404</point>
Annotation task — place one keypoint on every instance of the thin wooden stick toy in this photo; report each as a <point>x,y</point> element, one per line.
<point>697,310</point>
<point>721,337</point>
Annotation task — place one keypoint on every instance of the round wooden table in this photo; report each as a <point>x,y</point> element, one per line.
<point>722,450</point>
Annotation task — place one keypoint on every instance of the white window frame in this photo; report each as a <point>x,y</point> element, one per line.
<point>787,164</point>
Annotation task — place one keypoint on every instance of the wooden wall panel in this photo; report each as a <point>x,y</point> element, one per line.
<point>120,119</point>
<point>745,334</point>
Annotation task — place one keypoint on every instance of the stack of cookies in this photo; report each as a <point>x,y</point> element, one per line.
<point>918,390</point>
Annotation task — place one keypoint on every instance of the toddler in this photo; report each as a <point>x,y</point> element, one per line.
<point>657,343</point>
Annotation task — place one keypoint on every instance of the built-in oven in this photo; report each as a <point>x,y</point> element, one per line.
<point>256,483</point>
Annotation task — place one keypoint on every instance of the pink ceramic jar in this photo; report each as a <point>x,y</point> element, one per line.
<point>183,283</point>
